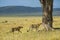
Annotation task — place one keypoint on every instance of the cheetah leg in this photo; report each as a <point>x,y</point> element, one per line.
<point>30,29</point>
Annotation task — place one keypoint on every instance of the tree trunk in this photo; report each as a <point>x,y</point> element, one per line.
<point>47,19</point>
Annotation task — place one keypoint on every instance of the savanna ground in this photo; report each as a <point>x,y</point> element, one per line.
<point>5,29</point>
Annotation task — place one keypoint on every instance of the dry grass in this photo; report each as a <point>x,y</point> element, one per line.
<point>5,28</point>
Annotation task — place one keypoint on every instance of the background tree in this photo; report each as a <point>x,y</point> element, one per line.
<point>47,19</point>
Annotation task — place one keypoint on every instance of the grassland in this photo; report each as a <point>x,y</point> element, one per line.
<point>26,22</point>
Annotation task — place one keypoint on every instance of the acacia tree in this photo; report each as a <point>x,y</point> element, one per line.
<point>47,19</point>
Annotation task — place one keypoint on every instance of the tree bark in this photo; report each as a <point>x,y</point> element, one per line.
<point>47,19</point>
